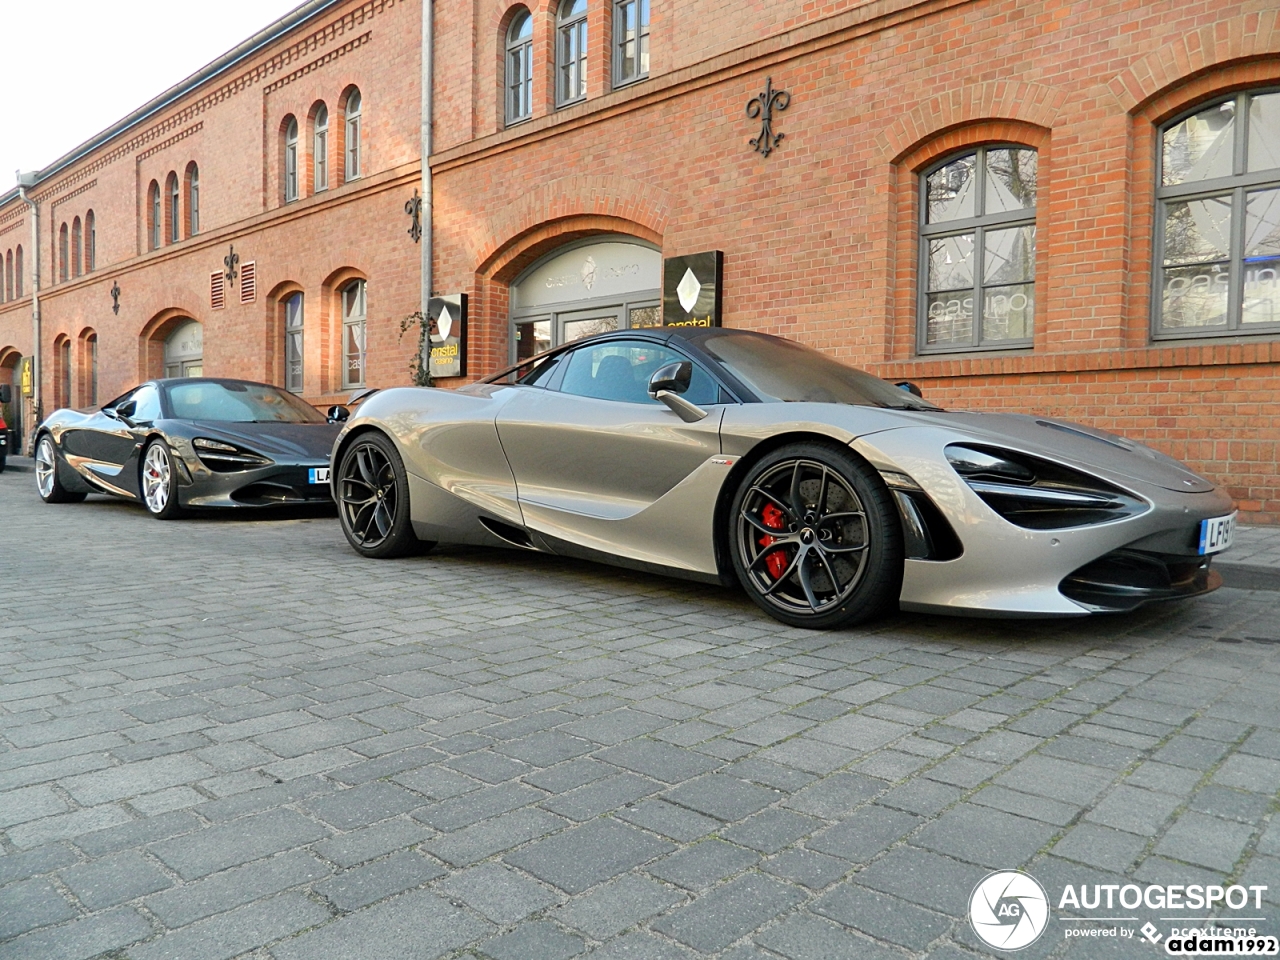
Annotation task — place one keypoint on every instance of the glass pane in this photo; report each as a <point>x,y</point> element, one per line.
<point>621,371</point>
<point>1007,312</point>
<point>1261,302</point>
<point>293,311</point>
<point>1264,132</point>
<point>1011,179</point>
<point>577,329</point>
<point>1262,224</point>
<point>532,338</point>
<point>644,317</point>
<point>522,29</point>
<point>951,191</point>
<point>1194,296</point>
<point>1197,230</point>
<point>951,262</point>
<point>949,318</point>
<point>1200,147</point>
<point>1010,255</point>
<point>354,348</point>
<point>574,9</point>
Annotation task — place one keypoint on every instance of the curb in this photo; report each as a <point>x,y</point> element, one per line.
<point>19,465</point>
<point>1244,576</point>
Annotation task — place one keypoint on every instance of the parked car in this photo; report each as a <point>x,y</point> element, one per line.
<point>6,397</point>
<point>828,494</point>
<point>187,443</point>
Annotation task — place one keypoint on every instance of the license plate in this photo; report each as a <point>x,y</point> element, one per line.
<point>1216,534</point>
<point>321,475</point>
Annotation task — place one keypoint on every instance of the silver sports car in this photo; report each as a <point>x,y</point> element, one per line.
<point>828,494</point>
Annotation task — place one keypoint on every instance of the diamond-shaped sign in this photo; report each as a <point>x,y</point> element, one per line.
<point>444,325</point>
<point>688,291</point>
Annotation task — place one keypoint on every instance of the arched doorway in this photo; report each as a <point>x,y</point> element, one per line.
<point>590,286</point>
<point>184,350</point>
<point>11,374</point>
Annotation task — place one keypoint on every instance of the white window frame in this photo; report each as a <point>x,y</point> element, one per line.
<point>175,209</point>
<point>293,342</point>
<point>193,201</point>
<point>291,161</point>
<point>519,77</point>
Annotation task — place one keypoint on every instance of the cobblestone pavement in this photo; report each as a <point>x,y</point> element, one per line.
<point>225,738</point>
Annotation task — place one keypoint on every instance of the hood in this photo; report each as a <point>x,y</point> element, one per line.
<point>306,441</point>
<point>1075,444</point>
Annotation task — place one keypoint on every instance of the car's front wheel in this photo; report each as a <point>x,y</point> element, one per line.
<point>160,482</point>
<point>815,538</point>
<point>373,499</point>
<point>48,484</point>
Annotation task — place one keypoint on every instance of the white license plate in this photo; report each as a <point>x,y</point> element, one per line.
<point>321,475</point>
<point>1216,534</point>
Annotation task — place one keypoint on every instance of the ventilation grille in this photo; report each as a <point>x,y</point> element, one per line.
<point>217,292</point>
<point>249,282</point>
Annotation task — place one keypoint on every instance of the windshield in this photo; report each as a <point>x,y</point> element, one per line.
<point>777,369</point>
<point>238,403</point>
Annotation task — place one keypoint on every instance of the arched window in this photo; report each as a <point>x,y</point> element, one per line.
<point>520,68</point>
<point>291,160</point>
<point>63,252</point>
<point>174,217</point>
<point>64,373</point>
<point>571,52</point>
<point>630,41</point>
<point>156,217</point>
<point>90,242</point>
<point>978,250</point>
<point>193,199</point>
<point>352,135</point>
<point>1217,244</point>
<point>293,343</point>
<point>353,330</point>
<point>17,271</point>
<point>320,148</point>
<point>77,247</point>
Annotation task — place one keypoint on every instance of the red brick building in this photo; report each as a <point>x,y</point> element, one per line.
<point>1063,207</point>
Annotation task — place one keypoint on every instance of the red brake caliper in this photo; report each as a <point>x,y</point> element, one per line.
<point>773,518</point>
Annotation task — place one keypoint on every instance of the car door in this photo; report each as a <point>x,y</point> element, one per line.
<point>106,447</point>
<point>595,458</point>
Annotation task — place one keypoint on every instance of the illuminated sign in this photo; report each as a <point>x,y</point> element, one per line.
<point>448,318</point>
<point>28,387</point>
<point>691,288</point>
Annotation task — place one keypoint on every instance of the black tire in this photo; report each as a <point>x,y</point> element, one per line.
<point>158,482</point>
<point>815,538</point>
<point>373,500</point>
<point>48,483</point>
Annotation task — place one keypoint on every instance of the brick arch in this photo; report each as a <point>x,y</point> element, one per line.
<point>1240,38</point>
<point>1030,103</point>
<point>152,336</point>
<point>629,205</point>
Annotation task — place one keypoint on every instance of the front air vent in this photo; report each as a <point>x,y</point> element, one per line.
<point>1039,494</point>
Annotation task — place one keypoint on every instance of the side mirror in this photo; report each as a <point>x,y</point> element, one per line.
<point>126,410</point>
<point>6,393</point>
<point>910,387</point>
<point>673,378</point>
<point>338,413</point>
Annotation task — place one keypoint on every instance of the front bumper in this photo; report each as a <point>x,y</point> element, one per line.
<point>1007,570</point>
<point>271,485</point>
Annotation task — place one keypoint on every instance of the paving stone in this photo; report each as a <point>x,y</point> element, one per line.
<point>240,841</point>
<point>658,760</point>
<point>489,766</point>
<point>1026,805</point>
<point>363,885</point>
<point>31,863</point>
<point>566,776</point>
<point>30,904</point>
<point>583,856</point>
<point>368,843</point>
<point>537,940</point>
<point>602,796</point>
<point>29,803</point>
<point>723,797</point>
<point>769,774</point>
<point>113,880</point>
<point>1057,779</point>
<point>939,883</point>
<point>1194,752</point>
<point>728,912</point>
<point>835,795</point>
<point>67,825</point>
<point>1101,847</point>
<point>438,783</point>
<point>82,938</point>
<point>616,906</point>
<point>806,937</point>
<point>881,916</point>
<point>497,892</point>
<point>771,830</point>
<point>135,833</point>
<point>492,836</point>
<point>669,820</point>
<point>640,946</point>
<point>473,807</point>
<point>1204,840</point>
<point>264,797</point>
<point>363,805</point>
<point>864,833</point>
<point>1139,811</point>
<point>547,747</point>
<point>810,755</point>
<point>699,866</point>
<point>1255,774</point>
<point>925,797</point>
<point>233,888</point>
<point>985,836</point>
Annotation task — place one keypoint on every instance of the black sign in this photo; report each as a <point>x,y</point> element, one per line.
<point>691,290</point>
<point>448,318</point>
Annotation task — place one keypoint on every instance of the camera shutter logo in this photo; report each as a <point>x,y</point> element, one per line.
<point>1009,910</point>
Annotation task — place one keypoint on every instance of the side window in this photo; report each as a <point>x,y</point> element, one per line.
<point>147,399</point>
<point>620,370</point>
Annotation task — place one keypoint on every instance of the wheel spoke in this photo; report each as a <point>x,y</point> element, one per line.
<point>381,518</point>
<point>827,548</point>
<point>362,464</point>
<point>772,548</point>
<point>791,515</point>
<point>351,501</point>
<point>822,490</point>
<point>791,568</point>
<point>831,572</point>
<point>797,507</point>
<point>362,520</point>
<point>769,531</point>
<point>846,513</point>
<point>805,582</point>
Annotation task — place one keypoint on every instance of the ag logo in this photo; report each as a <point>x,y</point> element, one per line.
<point>1009,910</point>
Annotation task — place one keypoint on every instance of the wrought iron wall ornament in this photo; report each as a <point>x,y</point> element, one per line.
<point>413,207</point>
<point>762,108</point>
<point>115,297</point>
<point>231,260</point>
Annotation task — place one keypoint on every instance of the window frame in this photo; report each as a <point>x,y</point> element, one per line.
<point>193,200</point>
<point>567,26</point>
<point>641,41</point>
<point>320,150</point>
<point>91,342</point>
<point>977,225</point>
<point>77,248</point>
<point>350,320</point>
<point>1238,185</point>
<point>17,272</point>
<point>174,214</point>
<point>157,215</point>
<point>291,192</point>
<point>90,242</point>
<point>64,252</point>
<point>518,47</point>
<point>290,329</point>
<point>351,133</point>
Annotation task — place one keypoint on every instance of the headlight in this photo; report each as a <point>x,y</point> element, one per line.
<point>1037,494</point>
<point>226,457</point>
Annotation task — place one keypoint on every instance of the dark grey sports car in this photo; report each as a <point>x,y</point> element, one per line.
<point>184,443</point>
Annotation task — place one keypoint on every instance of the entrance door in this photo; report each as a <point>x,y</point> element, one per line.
<point>184,351</point>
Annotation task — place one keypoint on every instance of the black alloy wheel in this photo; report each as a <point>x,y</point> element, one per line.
<point>373,499</point>
<point>815,537</point>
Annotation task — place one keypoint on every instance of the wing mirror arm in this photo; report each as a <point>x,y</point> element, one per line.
<point>668,383</point>
<point>686,411</point>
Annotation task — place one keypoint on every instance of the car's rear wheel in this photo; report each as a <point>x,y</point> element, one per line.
<point>160,482</point>
<point>815,539</point>
<point>48,484</point>
<point>373,499</point>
